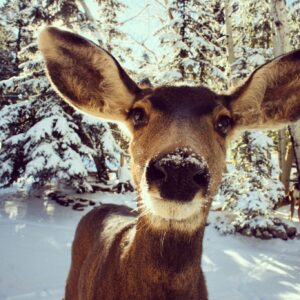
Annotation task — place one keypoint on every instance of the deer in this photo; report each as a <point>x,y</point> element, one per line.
<point>294,199</point>
<point>179,136</point>
<point>291,198</point>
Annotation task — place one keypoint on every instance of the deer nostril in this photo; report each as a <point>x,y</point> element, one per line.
<point>178,176</point>
<point>202,178</point>
<point>155,172</point>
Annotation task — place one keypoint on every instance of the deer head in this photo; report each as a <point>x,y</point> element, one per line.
<point>179,135</point>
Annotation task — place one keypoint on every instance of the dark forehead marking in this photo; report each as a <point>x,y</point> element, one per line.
<point>185,100</point>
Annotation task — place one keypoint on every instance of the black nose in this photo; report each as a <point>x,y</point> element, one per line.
<point>179,175</point>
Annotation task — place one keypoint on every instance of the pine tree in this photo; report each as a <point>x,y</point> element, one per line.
<point>193,45</point>
<point>252,188</point>
<point>294,24</point>
<point>107,21</point>
<point>251,191</point>
<point>43,138</point>
<point>252,34</point>
<point>8,66</point>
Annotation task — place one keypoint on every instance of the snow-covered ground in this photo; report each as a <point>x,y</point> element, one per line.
<point>36,236</point>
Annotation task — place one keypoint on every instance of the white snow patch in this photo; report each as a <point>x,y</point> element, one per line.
<point>182,158</point>
<point>36,246</point>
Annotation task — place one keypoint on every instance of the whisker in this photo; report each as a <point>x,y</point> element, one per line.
<point>162,242</point>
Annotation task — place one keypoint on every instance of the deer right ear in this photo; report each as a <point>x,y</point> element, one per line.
<point>270,97</point>
<point>86,76</point>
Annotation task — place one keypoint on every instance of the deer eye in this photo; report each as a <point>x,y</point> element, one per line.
<point>223,125</point>
<point>138,116</point>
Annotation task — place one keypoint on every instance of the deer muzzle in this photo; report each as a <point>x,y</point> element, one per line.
<point>179,175</point>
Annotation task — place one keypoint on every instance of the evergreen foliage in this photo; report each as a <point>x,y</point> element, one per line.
<point>192,45</point>
<point>294,24</point>
<point>41,137</point>
<point>252,188</point>
<point>252,35</point>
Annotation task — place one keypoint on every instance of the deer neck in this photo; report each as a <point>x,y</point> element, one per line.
<point>167,257</point>
<point>169,248</point>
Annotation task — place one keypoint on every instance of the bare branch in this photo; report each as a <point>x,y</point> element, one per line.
<point>142,44</point>
<point>161,4</point>
<point>92,21</point>
<point>135,16</point>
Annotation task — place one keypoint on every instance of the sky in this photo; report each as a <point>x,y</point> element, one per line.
<point>136,3</point>
<point>141,22</point>
<point>140,25</point>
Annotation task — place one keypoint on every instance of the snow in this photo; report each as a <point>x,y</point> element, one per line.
<point>251,187</point>
<point>124,174</point>
<point>181,158</point>
<point>170,76</point>
<point>170,36</point>
<point>199,42</point>
<point>256,59</point>
<point>36,236</point>
<point>187,62</point>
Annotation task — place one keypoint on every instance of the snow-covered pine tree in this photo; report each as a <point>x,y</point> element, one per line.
<point>8,55</point>
<point>42,138</point>
<point>252,187</point>
<point>294,24</point>
<point>251,190</point>
<point>107,21</point>
<point>252,36</point>
<point>8,65</point>
<point>192,45</point>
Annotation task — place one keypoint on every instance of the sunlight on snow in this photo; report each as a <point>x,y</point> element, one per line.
<point>53,243</point>
<point>49,208</point>
<point>277,265</point>
<point>14,209</point>
<point>268,264</point>
<point>238,258</point>
<point>19,227</point>
<point>208,265</point>
<point>287,295</point>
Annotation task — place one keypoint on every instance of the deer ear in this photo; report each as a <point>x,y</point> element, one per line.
<point>86,76</point>
<point>270,96</point>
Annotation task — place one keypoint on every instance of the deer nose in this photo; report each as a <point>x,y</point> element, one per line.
<point>179,175</point>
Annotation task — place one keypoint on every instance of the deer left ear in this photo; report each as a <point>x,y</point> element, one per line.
<point>86,76</point>
<point>270,96</point>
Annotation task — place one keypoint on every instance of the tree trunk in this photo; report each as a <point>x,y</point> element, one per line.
<point>101,168</point>
<point>92,20</point>
<point>229,39</point>
<point>282,144</point>
<point>281,45</point>
<point>280,27</point>
<point>99,160</point>
<point>286,168</point>
<point>295,138</point>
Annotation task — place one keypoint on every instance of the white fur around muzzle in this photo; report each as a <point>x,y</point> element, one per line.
<point>169,209</point>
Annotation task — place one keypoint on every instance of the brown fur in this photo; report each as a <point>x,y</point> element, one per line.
<point>157,254</point>
<point>85,75</point>
<point>294,199</point>
<point>270,96</point>
<point>158,266</point>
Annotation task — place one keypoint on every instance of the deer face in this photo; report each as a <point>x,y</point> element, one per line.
<point>179,134</point>
<point>178,149</point>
